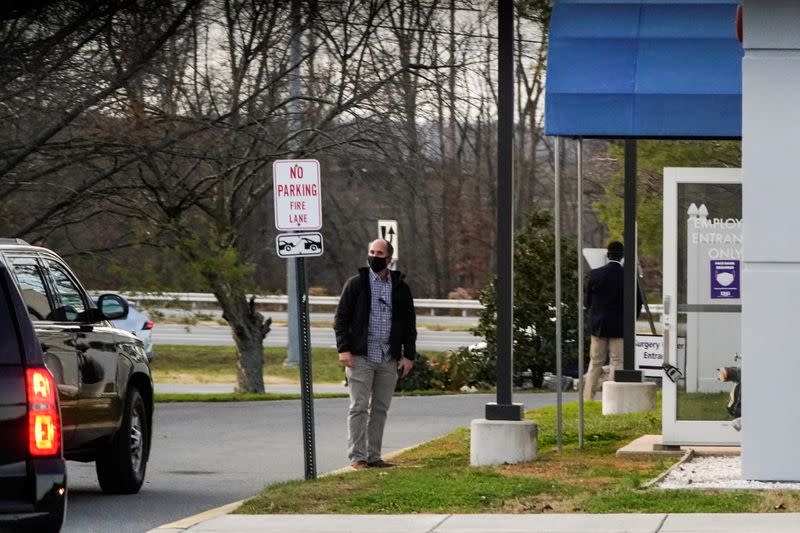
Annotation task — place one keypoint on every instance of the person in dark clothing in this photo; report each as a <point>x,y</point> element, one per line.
<point>376,336</point>
<point>604,299</point>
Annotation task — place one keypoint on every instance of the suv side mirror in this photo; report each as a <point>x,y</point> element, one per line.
<point>112,306</point>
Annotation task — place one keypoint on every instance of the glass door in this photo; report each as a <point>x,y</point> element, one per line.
<point>702,268</point>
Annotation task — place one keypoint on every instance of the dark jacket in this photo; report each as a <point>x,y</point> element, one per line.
<point>604,298</point>
<point>352,317</point>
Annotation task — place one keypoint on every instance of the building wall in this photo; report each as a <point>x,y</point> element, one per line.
<point>771,277</point>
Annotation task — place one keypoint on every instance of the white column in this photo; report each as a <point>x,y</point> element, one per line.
<point>771,277</point>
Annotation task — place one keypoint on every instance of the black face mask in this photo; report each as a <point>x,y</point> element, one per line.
<point>376,263</point>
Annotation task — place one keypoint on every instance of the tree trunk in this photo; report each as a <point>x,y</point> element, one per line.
<point>249,329</point>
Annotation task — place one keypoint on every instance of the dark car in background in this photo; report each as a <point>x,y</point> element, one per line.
<point>101,373</point>
<point>33,476</point>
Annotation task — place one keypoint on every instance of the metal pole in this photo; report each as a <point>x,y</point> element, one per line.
<point>295,110</point>
<point>640,288</point>
<point>557,222</point>
<point>503,409</point>
<point>629,291</point>
<point>293,342</point>
<point>299,349</point>
<point>306,380</point>
<point>580,293</point>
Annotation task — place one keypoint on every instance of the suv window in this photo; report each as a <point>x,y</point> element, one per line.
<point>9,346</point>
<point>71,306</point>
<point>32,287</point>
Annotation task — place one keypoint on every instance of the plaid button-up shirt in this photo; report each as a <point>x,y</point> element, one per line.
<point>380,318</point>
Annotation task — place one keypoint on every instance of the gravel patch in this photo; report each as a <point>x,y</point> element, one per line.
<point>716,473</point>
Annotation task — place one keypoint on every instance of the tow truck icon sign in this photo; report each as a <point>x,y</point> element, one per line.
<point>299,244</point>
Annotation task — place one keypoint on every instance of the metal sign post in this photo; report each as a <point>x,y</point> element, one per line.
<point>298,207</point>
<point>295,109</point>
<point>505,408</point>
<point>306,380</point>
<point>557,232</point>
<point>580,293</point>
<point>629,305</point>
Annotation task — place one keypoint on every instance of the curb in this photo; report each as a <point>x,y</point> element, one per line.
<point>390,455</point>
<point>653,482</point>
<point>185,523</point>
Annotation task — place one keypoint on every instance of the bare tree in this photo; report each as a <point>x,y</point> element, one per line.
<point>157,123</point>
<point>201,133</point>
<point>56,62</point>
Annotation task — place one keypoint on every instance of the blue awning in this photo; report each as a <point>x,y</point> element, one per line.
<point>644,69</point>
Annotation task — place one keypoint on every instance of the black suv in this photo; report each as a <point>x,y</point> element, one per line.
<point>33,476</point>
<point>101,373</point>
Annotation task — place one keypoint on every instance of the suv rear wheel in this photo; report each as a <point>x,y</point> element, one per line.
<point>121,469</point>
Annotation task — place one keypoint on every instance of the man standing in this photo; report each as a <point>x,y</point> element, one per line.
<point>604,298</point>
<point>376,337</point>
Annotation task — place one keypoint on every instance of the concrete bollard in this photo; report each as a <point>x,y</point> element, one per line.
<point>622,397</point>
<point>497,442</point>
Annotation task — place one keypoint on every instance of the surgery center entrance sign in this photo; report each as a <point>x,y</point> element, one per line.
<point>298,199</point>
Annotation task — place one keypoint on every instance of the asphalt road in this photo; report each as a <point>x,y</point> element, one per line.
<point>207,454</point>
<point>212,334</point>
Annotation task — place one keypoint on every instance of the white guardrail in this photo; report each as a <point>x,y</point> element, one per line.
<point>206,298</point>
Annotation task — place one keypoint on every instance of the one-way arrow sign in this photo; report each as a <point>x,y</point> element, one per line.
<point>387,229</point>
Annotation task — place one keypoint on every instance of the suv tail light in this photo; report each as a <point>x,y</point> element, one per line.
<point>148,325</point>
<point>44,421</point>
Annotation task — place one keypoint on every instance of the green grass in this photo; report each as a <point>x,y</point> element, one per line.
<point>266,397</point>
<point>673,501</point>
<point>602,434</point>
<point>196,318</point>
<point>237,397</point>
<point>218,363</point>
<point>283,323</point>
<point>703,406</point>
<point>436,478</point>
<point>440,483</point>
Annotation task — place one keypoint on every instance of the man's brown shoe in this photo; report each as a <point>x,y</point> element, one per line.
<point>380,463</point>
<point>359,465</point>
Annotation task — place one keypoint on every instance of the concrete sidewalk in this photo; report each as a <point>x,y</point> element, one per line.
<point>497,523</point>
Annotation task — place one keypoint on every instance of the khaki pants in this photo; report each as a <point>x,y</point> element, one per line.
<point>599,348</point>
<point>371,386</point>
